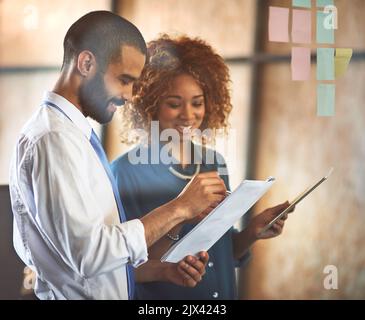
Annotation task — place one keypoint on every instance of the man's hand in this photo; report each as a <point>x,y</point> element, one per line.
<point>204,190</point>
<point>258,223</point>
<point>203,193</point>
<point>188,272</point>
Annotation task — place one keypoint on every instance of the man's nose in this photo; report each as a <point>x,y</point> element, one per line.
<point>127,94</point>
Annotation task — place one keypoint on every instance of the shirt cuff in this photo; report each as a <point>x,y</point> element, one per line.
<point>136,242</point>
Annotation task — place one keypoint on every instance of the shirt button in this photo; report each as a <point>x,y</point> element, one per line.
<point>210,264</point>
<point>215,295</point>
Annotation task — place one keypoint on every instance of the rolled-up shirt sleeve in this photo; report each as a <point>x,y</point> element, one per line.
<point>135,241</point>
<point>72,203</point>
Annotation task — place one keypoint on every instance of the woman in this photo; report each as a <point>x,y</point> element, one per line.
<point>184,86</point>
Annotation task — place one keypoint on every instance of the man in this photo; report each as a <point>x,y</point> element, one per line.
<point>69,223</point>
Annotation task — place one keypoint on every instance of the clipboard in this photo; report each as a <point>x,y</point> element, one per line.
<point>299,198</point>
<point>208,231</point>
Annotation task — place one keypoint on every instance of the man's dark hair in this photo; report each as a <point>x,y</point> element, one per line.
<point>102,33</point>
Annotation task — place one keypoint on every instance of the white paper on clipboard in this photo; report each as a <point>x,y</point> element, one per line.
<point>205,234</point>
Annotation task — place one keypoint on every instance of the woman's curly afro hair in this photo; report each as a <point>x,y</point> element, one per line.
<point>167,58</point>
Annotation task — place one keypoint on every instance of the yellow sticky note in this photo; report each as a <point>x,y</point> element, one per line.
<point>342,60</point>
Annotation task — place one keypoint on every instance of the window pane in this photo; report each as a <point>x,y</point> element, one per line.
<point>227,27</point>
<point>32,32</point>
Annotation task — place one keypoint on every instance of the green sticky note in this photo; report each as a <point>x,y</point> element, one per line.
<point>302,3</point>
<point>325,64</point>
<point>326,100</point>
<point>342,59</point>
<point>324,34</point>
<point>323,3</point>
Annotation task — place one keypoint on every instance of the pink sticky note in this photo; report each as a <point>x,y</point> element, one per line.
<point>300,64</point>
<point>302,26</point>
<point>278,24</point>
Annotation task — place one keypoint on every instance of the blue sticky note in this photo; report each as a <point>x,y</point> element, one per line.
<point>325,64</point>
<point>323,3</point>
<point>302,3</point>
<point>326,100</point>
<point>324,34</point>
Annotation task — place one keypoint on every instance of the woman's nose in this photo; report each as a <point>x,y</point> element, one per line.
<point>187,112</point>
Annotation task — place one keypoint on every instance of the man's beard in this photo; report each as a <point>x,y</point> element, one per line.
<point>93,98</point>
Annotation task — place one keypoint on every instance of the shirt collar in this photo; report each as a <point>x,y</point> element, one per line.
<point>71,111</point>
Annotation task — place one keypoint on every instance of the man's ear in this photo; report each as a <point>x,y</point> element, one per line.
<point>86,63</point>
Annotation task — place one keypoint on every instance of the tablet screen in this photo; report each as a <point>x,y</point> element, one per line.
<point>297,200</point>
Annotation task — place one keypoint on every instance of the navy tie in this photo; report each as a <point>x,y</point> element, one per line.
<point>95,142</point>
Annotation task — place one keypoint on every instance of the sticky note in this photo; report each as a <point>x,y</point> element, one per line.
<point>326,100</point>
<point>325,64</point>
<point>278,24</point>
<point>323,3</point>
<point>302,26</point>
<point>300,63</point>
<point>324,35</point>
<point>342,59</point>
<point>302,3</point>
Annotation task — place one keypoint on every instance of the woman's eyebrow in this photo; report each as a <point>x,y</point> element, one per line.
<point>176,97</point>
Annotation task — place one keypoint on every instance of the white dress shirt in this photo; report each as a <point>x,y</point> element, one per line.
<point>66,222</point>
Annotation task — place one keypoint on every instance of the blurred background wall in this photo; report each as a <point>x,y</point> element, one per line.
<point>274,120</point>
<point>295,145</point>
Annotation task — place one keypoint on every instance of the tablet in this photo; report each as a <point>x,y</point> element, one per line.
<point>296,201</point>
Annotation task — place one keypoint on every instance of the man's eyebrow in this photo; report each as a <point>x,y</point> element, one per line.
<point>127,77</point>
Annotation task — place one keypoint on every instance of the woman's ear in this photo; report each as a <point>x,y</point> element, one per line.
<point>86,63</point>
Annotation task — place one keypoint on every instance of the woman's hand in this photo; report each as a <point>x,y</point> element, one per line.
<point>259,222</point>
